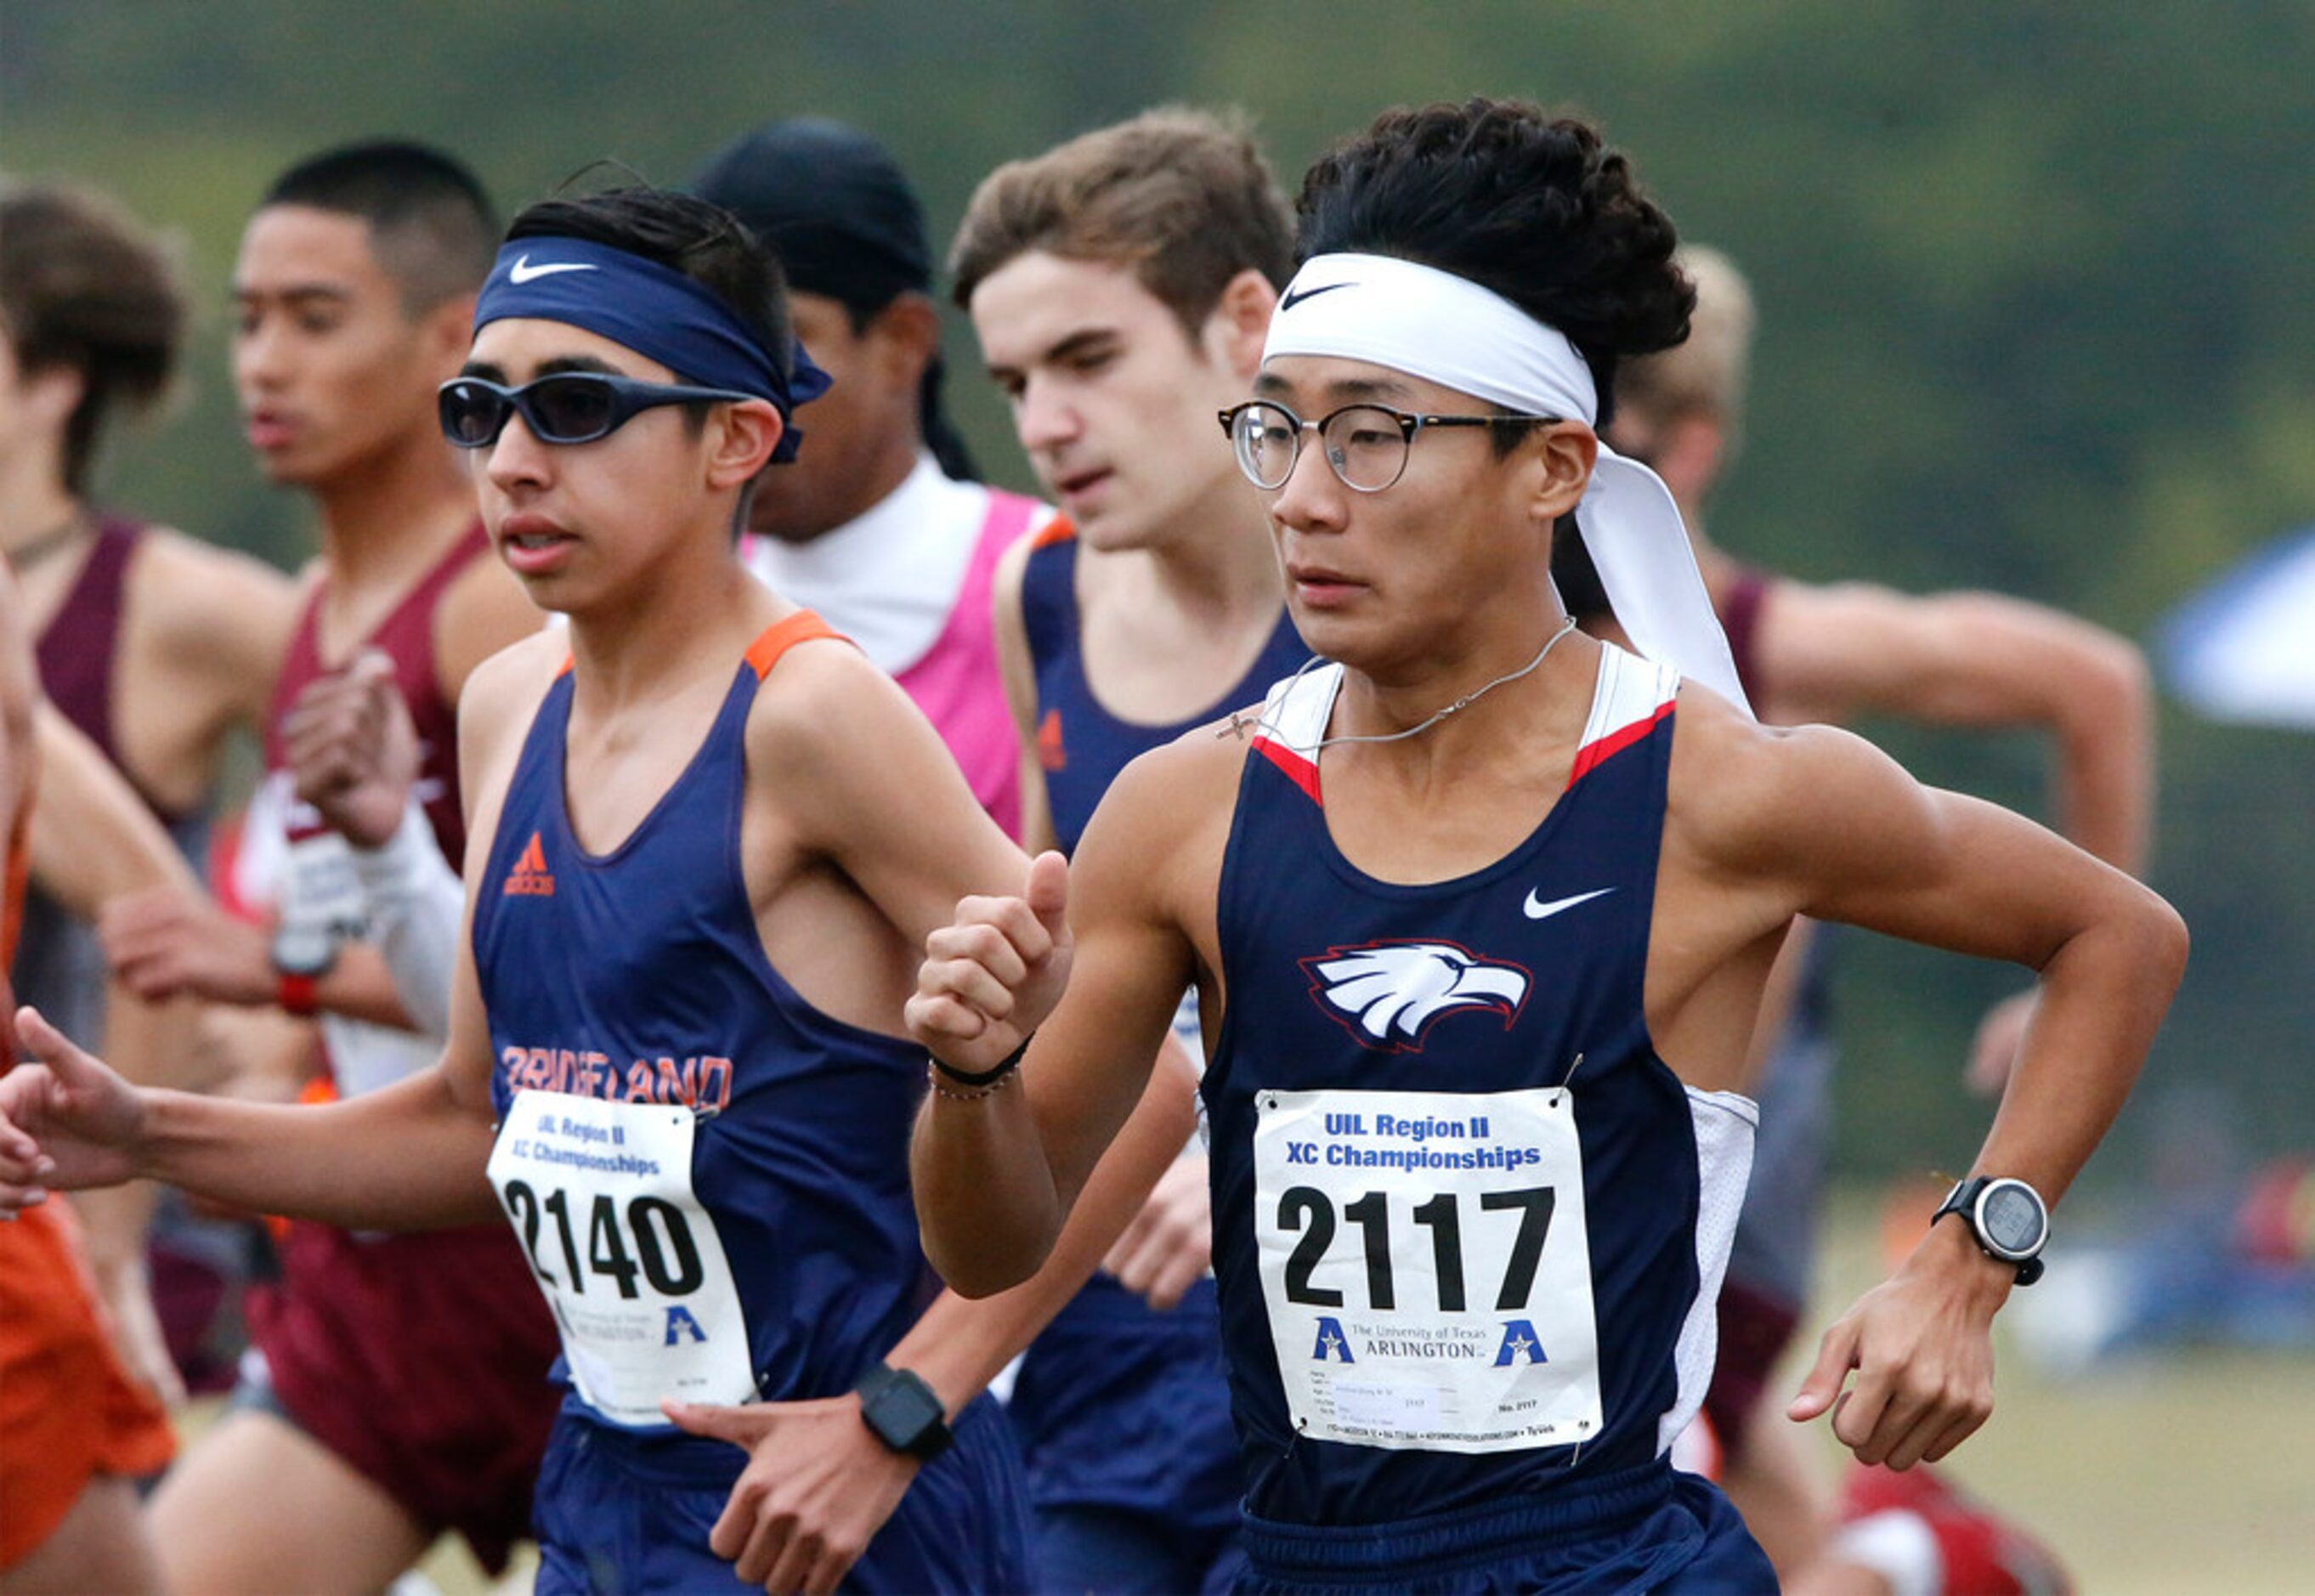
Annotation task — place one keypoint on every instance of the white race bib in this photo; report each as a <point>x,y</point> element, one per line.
<point>1426,1267</point>
<point>600,1195</point>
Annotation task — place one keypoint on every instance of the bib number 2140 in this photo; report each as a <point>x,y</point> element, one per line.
<point>600,1194</point>
<point>662,1251</point>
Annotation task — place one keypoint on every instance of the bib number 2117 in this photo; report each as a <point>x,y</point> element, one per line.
<point>1426,1267</point>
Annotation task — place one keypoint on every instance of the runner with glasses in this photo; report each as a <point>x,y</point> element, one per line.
<point>1482,912</point>
<point>1366,445</point>
<point>709,837</point>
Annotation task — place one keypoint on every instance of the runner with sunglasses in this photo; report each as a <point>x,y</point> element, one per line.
<point>1481,912</point>
<point>709,839</point>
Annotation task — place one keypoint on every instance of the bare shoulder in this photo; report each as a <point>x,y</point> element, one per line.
<point>1749,800</point>
<point>196,591</point>
<point>822,695</point>
<point>1171,806</point>
<point>482,610</point>
<point>1012,570</point>
<point>504,692</point>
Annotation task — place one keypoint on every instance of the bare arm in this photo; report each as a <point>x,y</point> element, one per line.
<point>1021,694</point>
<point>868,785</point>
<point>1832,828</point>
<point>1842,833</point>
<point>1981,659</point>
<point>93,841</point>
<point>959,1345</point>
<point>995,1178</point>
<point>221,623</point>
<point>407,1157</point>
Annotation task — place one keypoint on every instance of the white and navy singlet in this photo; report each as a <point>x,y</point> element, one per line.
<point>1468,1227</point>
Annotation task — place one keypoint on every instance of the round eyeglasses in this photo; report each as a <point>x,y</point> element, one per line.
<point>1365,444</point>
<point>567,407</point>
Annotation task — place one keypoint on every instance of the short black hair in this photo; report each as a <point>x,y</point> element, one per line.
<point>687,234</point>
<point>1537,207</point>
<point>432,226</point>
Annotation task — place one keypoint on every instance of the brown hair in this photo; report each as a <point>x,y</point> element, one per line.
<point>1708,374</point>
<point>84,286</point>
<point>1180,195</point>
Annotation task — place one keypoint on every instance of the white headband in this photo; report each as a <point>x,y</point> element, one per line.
<point>1449,330</point>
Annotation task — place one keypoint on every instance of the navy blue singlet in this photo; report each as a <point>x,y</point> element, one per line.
<point>631,1008</point>
<point>1468,1227</point>
<point>1080,745</point>
<point>639,976</point>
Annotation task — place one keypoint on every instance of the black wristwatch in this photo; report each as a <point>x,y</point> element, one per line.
<point>904,1412</point>
<point>302,953</point>
<point>2009,1218</point>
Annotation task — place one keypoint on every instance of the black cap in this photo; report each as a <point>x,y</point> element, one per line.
<point>846,225</point>
<point>835,205</point>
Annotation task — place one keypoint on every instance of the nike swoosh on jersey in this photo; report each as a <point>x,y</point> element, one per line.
<point>1292,300</point>
<point>523,271</point>
<point>1536,910</point>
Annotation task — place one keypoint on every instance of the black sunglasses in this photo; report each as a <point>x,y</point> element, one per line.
<point>568,407</point>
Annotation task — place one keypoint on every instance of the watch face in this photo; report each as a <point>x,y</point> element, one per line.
<point>302,949</point>
<point>910,1407</point>
<point>2011,1217</point>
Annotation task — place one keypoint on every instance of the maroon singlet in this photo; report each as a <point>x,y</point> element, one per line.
<point>421,1360</point>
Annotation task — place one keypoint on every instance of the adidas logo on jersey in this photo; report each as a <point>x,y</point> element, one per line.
<point>1387,994</point>
<point>1051,753</point>
<point>530,877</point>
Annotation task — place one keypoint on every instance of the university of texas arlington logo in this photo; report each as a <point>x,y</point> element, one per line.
<point>1388,994</point>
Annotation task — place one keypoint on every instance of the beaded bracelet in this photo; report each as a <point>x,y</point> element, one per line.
<point>990,1076</point>
<point>940,1088</point>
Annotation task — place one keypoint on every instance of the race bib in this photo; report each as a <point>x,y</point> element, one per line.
<point>1426,1268</point>
<point>600,1195</point>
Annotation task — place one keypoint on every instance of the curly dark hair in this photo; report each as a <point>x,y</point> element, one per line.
<point>1537,207</point>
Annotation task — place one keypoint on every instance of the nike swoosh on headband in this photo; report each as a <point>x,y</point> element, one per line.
<point>523,271</point>
<point>1537,910</point>
<point>1295,298</point>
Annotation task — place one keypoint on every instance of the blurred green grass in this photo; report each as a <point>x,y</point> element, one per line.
<point>2180,1472</point>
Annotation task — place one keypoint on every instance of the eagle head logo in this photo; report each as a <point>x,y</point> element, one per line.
<point>1386,994</point>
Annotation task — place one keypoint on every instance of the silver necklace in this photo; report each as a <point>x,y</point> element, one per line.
<point>1465,702</point>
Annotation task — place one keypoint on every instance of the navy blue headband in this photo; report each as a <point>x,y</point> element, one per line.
<point>651,309</point>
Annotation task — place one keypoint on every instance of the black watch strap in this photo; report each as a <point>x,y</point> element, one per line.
<point>904,1411</point>
<point>1962,1201</point>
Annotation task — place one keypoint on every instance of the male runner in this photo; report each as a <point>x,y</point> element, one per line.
<point>401,1390</point>
<point>879,524</point>
<point>708,845</point>
<point>1480,916</point>
<point>1831,653</point>
<point>879,528</point>
<point>1120,285</point>
<point>156,646</point>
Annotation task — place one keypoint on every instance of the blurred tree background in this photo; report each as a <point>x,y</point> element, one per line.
<point>2032,279</point>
